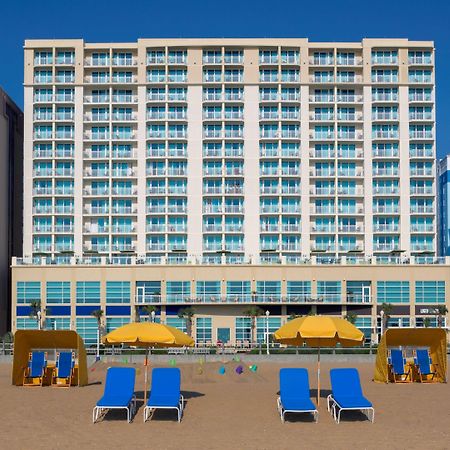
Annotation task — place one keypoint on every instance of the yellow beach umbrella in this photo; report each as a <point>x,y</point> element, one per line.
<point>319,331</point>
<point>148,334</point>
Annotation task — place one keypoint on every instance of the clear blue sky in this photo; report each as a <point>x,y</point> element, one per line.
<point>324,20</point>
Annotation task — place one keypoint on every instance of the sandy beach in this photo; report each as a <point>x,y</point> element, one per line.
<point>224,412</point>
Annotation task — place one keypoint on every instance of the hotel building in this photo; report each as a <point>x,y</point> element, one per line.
<point>231,171</point>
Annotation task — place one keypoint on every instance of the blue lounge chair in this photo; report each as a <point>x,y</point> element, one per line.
<point>63,371</point>
<point>425,366</point>
<point>401,372</point>
<point>165,392</point>
<point>346,394</point>
<point>118,392</point>
<point>35,370</point>
<point>294,393</point>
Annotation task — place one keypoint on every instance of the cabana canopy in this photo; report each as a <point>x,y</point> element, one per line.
<point>27,340</point>
<point>433,338</point>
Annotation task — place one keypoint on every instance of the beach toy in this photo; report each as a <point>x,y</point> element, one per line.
<point>172,362</point>
<point>221,370</point>
<point>253,368</point>
<point>236,358</point>
<point>239,370</point>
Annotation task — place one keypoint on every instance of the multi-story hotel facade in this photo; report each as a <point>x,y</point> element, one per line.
<point>236,171</point>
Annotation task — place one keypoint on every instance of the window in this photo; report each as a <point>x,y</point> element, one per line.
<point>87,329</point>
<point>329,291</point>
<point>358,291</point>
<point>26,324</point>
<point>268,290</point>
<point>430,291</point>
<point>365,325</point>
<point>117,292</point>
<point>57,323</point>
<point>178,291</point>
<point>243,329</point>
<point>239,291</point>
<point>27,291</point>
<point>264,324</point>
<point>148,291</point>
<point>204,329</point>
<point>88,292</point>
<point>208,290</point>
<point>298,291</point>
<point>392,292</point>
<point>58,292</point>
<point>177,323</point>
<point>115,322</point>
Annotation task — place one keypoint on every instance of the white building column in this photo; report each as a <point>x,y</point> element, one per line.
<point>251,171</point>
<point>194,170</point>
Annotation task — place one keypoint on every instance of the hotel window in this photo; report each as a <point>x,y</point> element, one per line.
<point>329,291</point>
<point>365,325</point>
<point>243,329</point>
<point>87,329</point>
<point>58,292</point>
<point>268,290</point>
<point>65,57</point>
<point>28,291</point>
<point>432,322</point>
<point>430,291</point>
<point>156,56</point>
<point>239,291</point>
<point>384,57</point>
<point>208,291</point>
<point>118,292</point>
<point>26,323</point>
<point>204,329</point>
<point>264,324</point>
<point>392,292</point>
<point>177,322</point>
<point>43,57</point>
<point>57,323</point>
<point>358,291</point>
<point>100,59</point>
<point>298,291</point>
<point>178,291</point>
<point>115,322</point>
<point>88,292</point>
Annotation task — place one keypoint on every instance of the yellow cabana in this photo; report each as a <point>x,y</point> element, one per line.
<point>433,338</point>
<point>27,340</point>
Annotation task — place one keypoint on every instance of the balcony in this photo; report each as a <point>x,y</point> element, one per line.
<point>124,98</point>
<point>124,61</point>
<point>421,172</point>
<point>321,98</point>
<point>384,97</point>
<point>386,209</point>
<point>422,228</point>
<point>386,227</point>
<point>422,190</point>
<point>421,209</point>
<point>319,61</point>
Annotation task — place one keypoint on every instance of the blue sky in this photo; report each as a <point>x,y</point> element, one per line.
<point>324,20</point>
